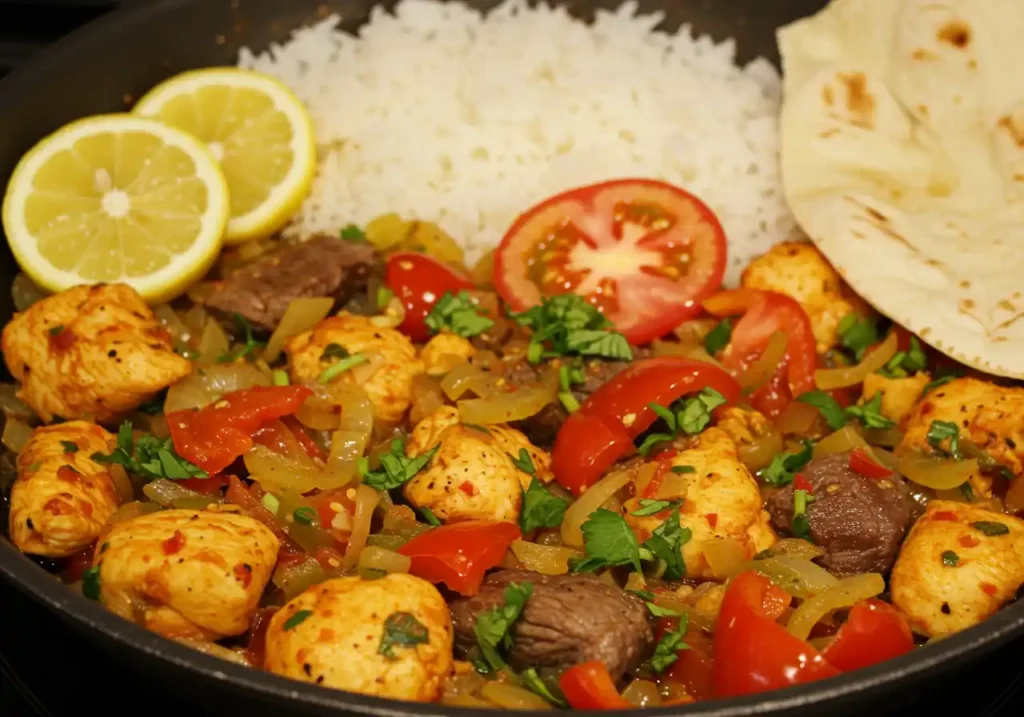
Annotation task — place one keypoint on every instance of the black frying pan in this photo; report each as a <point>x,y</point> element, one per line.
<point>101,69</point>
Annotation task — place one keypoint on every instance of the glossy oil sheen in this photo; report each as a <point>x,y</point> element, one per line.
<point>102,68</point>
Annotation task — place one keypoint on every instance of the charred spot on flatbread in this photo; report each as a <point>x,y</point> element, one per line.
<point>859,101</point>
<point>956,33</point>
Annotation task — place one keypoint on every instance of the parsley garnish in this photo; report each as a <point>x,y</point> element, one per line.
<point>939,431</point>
<point>870,413</point>
<point>665,653</point>
<point>56,330</point>
<point>384,296</point>
<point>829,408</point>
<point>536,684</point>
<point>784,466</point>
<point>523,462</point>
<point>718,338</point>
<point>492,628</point>
<point>566,325</point>
<point>940,381</point>
<point>857,334</point>
<point>251,344</point>
<point>353,233</point>
<point>478,427</point>
<point>607,540</point>
<point>396,468</point>
<point>683,469</point>
<point>458,314</point>
<point>642,594</point>
<point>666,543</point>
<point>346,364</point>
<point>950,559</point>
<point>653,507</point>
<point>153,406</point>
<point>333,352</point>
<point>658,611</point>
<point>801,523</point>
<point>401,629</point>
<point>299,617</point>
<point>91,583</point>
<point>541,509</point>
<point>967,491</point>
<point>991,528</point>
<point>149,457</point>
<point>690,417</point>
<point>304,515</point>
<point>69,446</point>
<point>905,363</point>
<point>429,517</point>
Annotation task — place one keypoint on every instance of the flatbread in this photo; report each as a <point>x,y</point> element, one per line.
<point>902,137</point>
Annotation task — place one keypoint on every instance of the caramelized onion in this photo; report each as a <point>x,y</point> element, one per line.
<point>759,453</point>
<point>427,397</point>
<point>16,434</point>
<point>465,377</point>
<point>122,484</point>
<point>296,578</point>
<point>301,315</point>
<point>349,442</point>
<point>579,512</point>
<point>797,419</point>
<point>889,438</point>
<point>366,501</point>
<point>131,510</point>
<point>830,378</point>
<point>169,494</point>
<point>797,576</point>
<point>25,292</point>
<point>204,386</point>
<point>11,405</point>
<point>642,693</point>
<point>212,648</point>
<point>936,473</point>
<point>725,556</point>
<point>179,331</point>
<point>694,332</point>
<point>512,697</point>
<point>502,407</point>
<point>544,559</point>
<point>761,371</point>
<point>294,473</point>
<point>845,594</point>
<point>381,560</point>
<point>213,343</point>
<point>842,441</point>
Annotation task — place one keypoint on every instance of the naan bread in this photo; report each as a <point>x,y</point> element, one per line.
<point>903,160</point>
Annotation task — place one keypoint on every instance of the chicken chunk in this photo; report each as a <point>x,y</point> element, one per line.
<point>444,352</point>
<point>390,637</point>
<point>387,377</point>
<point>798,270</point>
<point>474,472</point>
<point>91,352</point>
<point>898,394</point>
<point>61,497</point>
<point>744,426</point>
<point>957,567</point>
<point>720,500</point>
<point>187,573</point>
<point>987,415</point>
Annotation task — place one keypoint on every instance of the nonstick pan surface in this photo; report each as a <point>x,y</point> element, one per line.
<point>102,68</point>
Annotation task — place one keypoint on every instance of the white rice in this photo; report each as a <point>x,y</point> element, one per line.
<point>440,113</point>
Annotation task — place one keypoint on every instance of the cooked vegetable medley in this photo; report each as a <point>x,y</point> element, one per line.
<point>355,462</point>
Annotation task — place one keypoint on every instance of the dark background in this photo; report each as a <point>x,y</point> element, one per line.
<point>47,670</point>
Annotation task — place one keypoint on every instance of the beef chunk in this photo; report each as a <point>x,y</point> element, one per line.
<point>859,522</point>
<point>569,619</point>
<point>321,266</point>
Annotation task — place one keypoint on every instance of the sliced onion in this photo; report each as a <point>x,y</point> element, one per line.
<point>212,648</point>
<point>172,495</point>
<point>544,559</point>
<point>512,697</point>
<point>131,510</point>
<point>427,397</point>
<point>25,292</point>
<point>760,452</point>
<point>830,378</point>
<point>725,556</point>
<point>296,578</point>
<point>301,315</point>
<point>936,473</point>
<point>179,331</point>
<point>349,442</point>
<point>435,241</point>
<point>694,332</point>
<point>797,419</point>
<point>391,315</point>
<point>16,434</point>
<point>366,500</point>
<point>644,475</point>
<point>797,548</point>
<point>579,512</point>
<point>642,693</point>
<point>281,473</point>
<point>890,437</point>
<point>797,576</point>
<point>761,371</point>
<point>213,343</point>
<point>512,406</point>
<point>845,594</point>
<point>842,441</point>
<point>122,484</point>
<point>11,405</point>
<point>468,377</point>
<point>482,273</point>
<point>375,559</point>
<point>204,386</point>
<point>671,601</point>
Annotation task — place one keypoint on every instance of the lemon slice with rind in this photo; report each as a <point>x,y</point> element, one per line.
<point>259,131</point>
<point>117,198</point>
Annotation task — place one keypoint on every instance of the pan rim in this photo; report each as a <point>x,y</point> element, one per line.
<point>22,574</point>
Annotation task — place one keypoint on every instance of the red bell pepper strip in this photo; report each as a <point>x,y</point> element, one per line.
<point>460,554</point>
<point>764,313</point>
<point>864,465</point>
<point>205,486</point>
<point>753,653</point>
<point>873,632</point>
<point>590,687</point>
<point>605,426</point>
<point>214,436</point>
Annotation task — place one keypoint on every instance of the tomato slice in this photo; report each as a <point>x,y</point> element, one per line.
<point>459,554</point>
<point>589,686</point>
<point>864,465</point>
<point>642,251</point>
<point>419,280</point>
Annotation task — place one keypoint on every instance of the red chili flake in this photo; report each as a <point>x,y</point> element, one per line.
<point>989,589</point>
<point>69,474</point>
<point>801,483</point>
<point>243,571</point>
<point>667,454</point>
<point>174,543</point>
<point>968,541</point>
<point>946,515</point>
<point>56,506</point>
<point>652,487</point>
<point>326,635</point>
<point>712,519</point>
<point>468,488</point>
<point>61,338</point>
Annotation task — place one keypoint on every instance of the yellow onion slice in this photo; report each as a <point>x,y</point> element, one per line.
<point>797,419</point>
<point>761,371</point>
<point>374,560</point>
<point>842,441</point>
<point>349,442</point>
<point>468,377</point>
<point>16,434</point>
<point>725,556</point>
<point>301,315</point>
<point>295,578</point>
<point>366,501</point>
<point>213,343</point>
<point>579,512</point>
<point>204,386</point>
<point>830,378</point>
<point>759,453</point>
<point>845,594</point>
<point>936,473</point>
<point>797,576</point>
<point>504,407</point>
<point>544,559</point>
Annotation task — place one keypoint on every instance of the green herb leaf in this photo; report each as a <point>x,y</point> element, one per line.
<point>696,413</point>
<point>967,492</point>
<point>458,314</point>
<point>568,401</point>
<point>653,507</point>
<point>493,628</point>
<point>642,594</point>
<point>829,408</point>
<point>538,685</point>
<point>346,364</point>
<point>250,346</point>
<point>353,233</point>
<point>149,457</point>
<point>69,446</point>
<point>541,509</point>
<point>666,543</point>
<point>991,528</point>
<point>870,413</point>
<point>784,466</point>
<point>384,296</point>
<point>940,431</point>
<point>429,517</point>
<point>280,377</point>
<point>652,440</point>
<point>567,325</point>
<point>940,381</point>
<point>718,338</point>
<point>401,629</point>
<point>524,462</point>
<point>607,540</point>
<point>950,559</point>
<point>56,330</point>
<point>683,469</point>
<point>905,363</point>
<point>658,611</point>
<point>299,617</point>
<point>396,469</point>
<point>664,414</point>
<point>91,582</point>
<point>857,334</point>
<point>667,649</point>
<point>334,352</point>
<point>801,525</point>
<point>305,515</point>
<point>477,427</point>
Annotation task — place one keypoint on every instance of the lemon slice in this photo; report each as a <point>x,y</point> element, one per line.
<point>117,198</point>
<point>260,132</point>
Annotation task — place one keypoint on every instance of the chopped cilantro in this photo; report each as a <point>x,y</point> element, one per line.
<point>336,369</point>
<point>477,427</point>
<point>149,457</point>
<point>401,629</point>
<point>250,346</point>
<point>689,416</point>
<point>524,462</point>
<point>538,685</point>
<point>541,509</point>
<point>905,363</point>
<point>659,611</point>
<point>305,515</point>
<point>666,544</point>
<point>91,583</point>
<point>870,413</point>
<point>991,528</point>
<point>353,233</point>
<point>950,559</point>
<point>299,617</point>
<point>940,431</point>
<point>683,469</point>
<point>967,491</point>
<point>784,466</point>
<point>429,517</point>
<point>829,408</point>
<point>607,540</point>
<point>667,649</point>
<point>567,325</point>
<point>718,338</point>
<point>396,468</point>
<point>493,628</point>
<point>458,314</point>
<point>940,381</point>
<point>69,446</point>
<point>857,334</point>
<point>384,296</point>
<point>653,507</point>
<point>801,527</point>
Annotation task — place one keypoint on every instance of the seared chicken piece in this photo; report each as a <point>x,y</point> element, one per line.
<point>61,497</point>
<point>390,637</point>
<point>798,270</point>
<point>957,567</point>
<point>987,415</point>
<point>472,475</point>
<point>898,394</point>
<point>187,573</point>
<point>91,352</point>
<point>745,427</point>
<point>444,352</point>
<point>720,500</point>
<point>386,378</point>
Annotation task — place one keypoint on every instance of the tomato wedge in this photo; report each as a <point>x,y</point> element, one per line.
<point>419,280</point>
<point>589,686</point>
<point>644,252</point>
<point>459,554</point>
